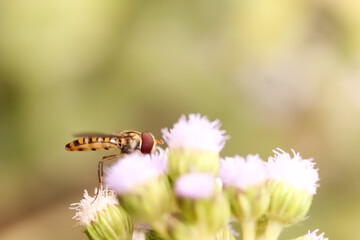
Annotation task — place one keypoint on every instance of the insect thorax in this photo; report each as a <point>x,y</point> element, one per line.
<point>130,142</point>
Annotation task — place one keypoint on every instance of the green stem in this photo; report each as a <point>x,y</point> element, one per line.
<point>273,230</point>
<point>248,229</point>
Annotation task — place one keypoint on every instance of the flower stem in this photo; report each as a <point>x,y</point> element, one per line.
<point>248,229</point>
<point>273,230</point>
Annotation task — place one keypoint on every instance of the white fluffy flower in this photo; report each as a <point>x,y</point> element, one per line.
<point>195,133</point>
<point>195,185</point>
<point>88,209</point>
<point>132,170</point>
<point>160,159</point>
<point>297,171</point>
<point>313,235</point>
<point>242,173</point>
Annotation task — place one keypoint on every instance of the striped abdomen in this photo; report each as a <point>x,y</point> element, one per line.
<point>92,144</point>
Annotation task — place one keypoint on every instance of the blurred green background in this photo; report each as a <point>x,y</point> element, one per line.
<point>277,73</point>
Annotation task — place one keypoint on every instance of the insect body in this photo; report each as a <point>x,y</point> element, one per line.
<point>127,142</point>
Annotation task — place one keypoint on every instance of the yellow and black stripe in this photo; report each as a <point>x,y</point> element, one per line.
<point>92,144</point>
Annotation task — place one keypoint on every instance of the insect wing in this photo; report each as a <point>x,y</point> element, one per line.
<point>95,134</point>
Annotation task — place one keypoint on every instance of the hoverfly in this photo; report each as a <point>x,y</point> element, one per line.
<point>126,141</point>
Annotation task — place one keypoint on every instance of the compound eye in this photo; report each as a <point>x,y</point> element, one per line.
<point>147,142</point>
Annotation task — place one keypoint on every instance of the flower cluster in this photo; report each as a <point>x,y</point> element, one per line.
<point>188,192</point>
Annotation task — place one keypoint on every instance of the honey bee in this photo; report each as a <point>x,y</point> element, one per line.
<point>126,141</point>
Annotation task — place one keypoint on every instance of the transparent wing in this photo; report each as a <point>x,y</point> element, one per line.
<point>95,134</point>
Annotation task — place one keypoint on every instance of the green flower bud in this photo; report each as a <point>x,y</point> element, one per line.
<point>245,182</point>
<point>293,182</point>
<point>184,161</point>
<point>288,204</point>
<point>200,205</point>
<point>112,224</point>
<point>250,203</point>
<point>102,217</point>
<point>214,212</point>
<point>150,201</point>
<point>142,186</point>
<point>194,145</point>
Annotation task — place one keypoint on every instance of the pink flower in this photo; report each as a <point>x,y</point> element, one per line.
<point>243,173</point>
<point>295,170</point>
<point>195,185</point>
<point>195,133</point>
<point>134,169</point>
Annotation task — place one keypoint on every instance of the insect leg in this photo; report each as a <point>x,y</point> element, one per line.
<point>101,164</point>
<point>101,172</point>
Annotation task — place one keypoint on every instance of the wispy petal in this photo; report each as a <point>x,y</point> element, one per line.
<point>195,133</point>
